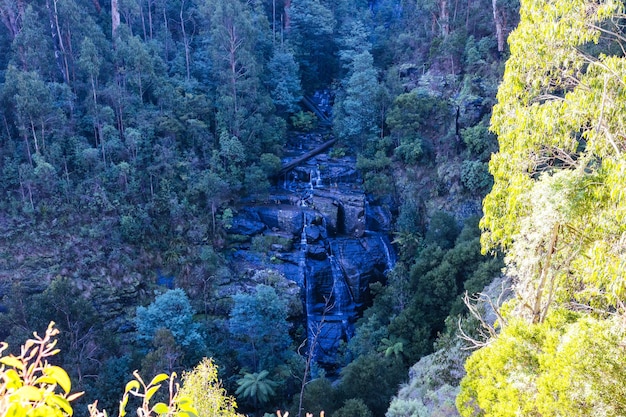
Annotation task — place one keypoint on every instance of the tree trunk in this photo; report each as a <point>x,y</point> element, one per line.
<point>56,41</point>
<point>185,40</point>
<point>444,18</point>
<point>233,45</point>
<point>497,18</point>
<point>167,29</point>
<point>28,153</point>
<point>115,18</point>
<point>32,128</point>
<point>12,17</point>
<point>101,136</point>
<point>61,44</point>
<point>96,118</point>
<point>213,210</point>
<point>287,22</point>
<point>150,17</point>
<point>143,21</point>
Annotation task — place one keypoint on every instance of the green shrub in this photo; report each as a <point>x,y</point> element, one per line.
<point>255,181</point>
<point>263,243</point>
<point>442,230</point>
<point>378,162</point>
<point>353,408</point>
<point>132,229</point>
<point>362,379</point>
<point>337,152</point>
<point>410,150</point>
<point>407,407</point>
<point>475,176</point>
<point>270,164</point>
<point>304,121</point>
<point>378,183</point>
<point>319,395</point>
<point>479,140</point>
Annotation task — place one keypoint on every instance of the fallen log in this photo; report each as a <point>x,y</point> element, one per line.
<point>292,164</point>
<point>310,104</point>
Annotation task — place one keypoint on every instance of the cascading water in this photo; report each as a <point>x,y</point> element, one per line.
<point>340,289</point>
<point>390,255</point>
<point>318,178</point>
<point>323,209</point>
<point>337,260</point>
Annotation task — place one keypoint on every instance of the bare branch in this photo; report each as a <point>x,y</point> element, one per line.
<point>486,331</point>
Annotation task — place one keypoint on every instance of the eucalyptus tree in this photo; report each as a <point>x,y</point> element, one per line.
<point>32,43</point>
<point>37,115</point>
<point>356,119</point>
<point>167,331</point>
<point>11,14</point>
<point>284,80</point>
<point>557,208</point>
<point>244,108</point>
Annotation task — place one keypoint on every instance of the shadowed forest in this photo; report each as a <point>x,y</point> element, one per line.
<point>149,150</point>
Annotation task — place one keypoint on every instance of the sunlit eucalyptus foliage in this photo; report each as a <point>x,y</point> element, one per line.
<point>558,209</point>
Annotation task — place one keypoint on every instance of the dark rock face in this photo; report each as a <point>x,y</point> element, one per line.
<point>282,217</point>
<point>339,244</point>
<point>378,218</point>
<point>248,224</point>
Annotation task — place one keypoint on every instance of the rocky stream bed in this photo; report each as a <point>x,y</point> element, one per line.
<point>322,232</point>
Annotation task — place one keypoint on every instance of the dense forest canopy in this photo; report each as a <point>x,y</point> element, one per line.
<point>134,132</point>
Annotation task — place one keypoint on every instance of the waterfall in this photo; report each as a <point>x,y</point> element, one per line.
<point>308,295</point>
<point>340,289</point>
<point>303,240</point>
<point>332,258</point>
<point>390,254</point>
<point>318,178</point>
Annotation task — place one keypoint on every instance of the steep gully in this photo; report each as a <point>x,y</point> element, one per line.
<point>339,240</point>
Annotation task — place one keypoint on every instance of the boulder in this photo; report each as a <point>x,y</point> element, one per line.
<point>312,233</point>
<point>353,206</point>
<point>247,224</point>
<point>282,217</point>
<point>363,261</point>
<point>328,207</point>
<point>317,252</point>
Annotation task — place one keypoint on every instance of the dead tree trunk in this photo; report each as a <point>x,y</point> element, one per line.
<point>115,18</point>
<point>498,20</point>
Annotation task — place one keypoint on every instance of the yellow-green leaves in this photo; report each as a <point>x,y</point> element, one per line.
<point>561,112</point>
<point>59,376</point>
<point>558,207</point>
<point>29,387</point>
<point>132,385</point>
<point>555,102</point>
<point>12,361</point>
<point>203,387</point>
<point>569,365</point>
<point>29,384</point>
<point>159,378</point>
<point>177,406</point>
